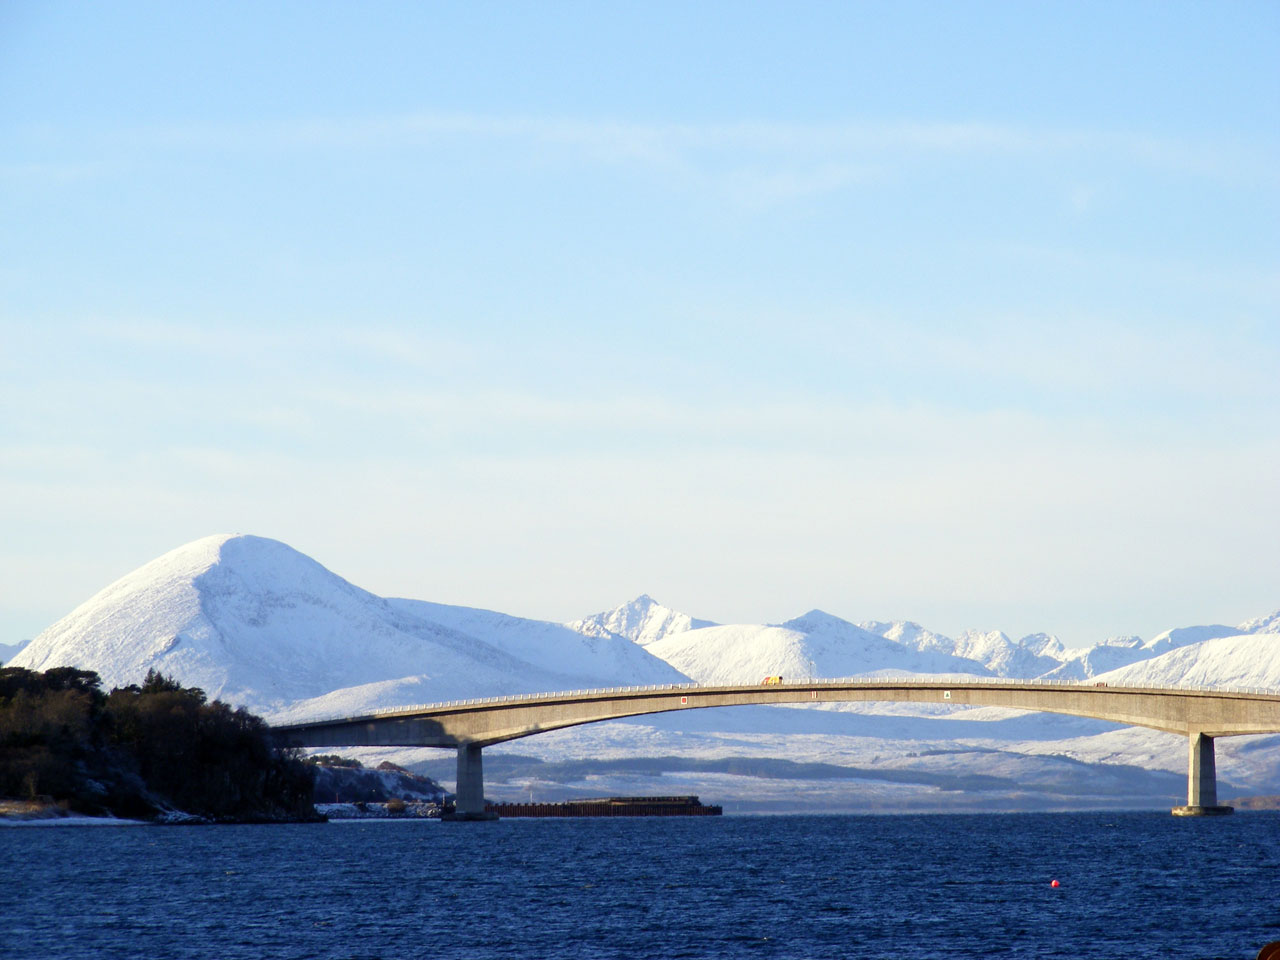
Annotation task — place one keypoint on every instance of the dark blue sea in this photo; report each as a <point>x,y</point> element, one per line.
<point>1131,885</point>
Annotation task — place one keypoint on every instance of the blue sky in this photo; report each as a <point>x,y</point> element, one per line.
<point>966,314</point>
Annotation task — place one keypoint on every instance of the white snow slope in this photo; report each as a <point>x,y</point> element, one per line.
<point>256,623</point>
<point>643,621</point>
<point>814,645</point>
<point>1247,661</point>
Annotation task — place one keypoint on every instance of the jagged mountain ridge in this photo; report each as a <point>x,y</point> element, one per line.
<point>1244,661</point>
<point>816,644</point>
<point>822,645</point>
<point>642,620</point>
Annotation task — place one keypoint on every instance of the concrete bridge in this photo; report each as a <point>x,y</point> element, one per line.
<point>1201,715</point>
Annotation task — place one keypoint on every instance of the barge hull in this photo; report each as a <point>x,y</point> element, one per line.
<point>609,807</point>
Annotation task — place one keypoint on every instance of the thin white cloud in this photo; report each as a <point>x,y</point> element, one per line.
<point>666,140</point>
<point>306,384</point>
<point>32,172</point>
<point>703,148</point>
<point>757,187</point>
<point>672,144</point>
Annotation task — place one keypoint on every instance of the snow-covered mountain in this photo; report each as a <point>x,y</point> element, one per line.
<point>1184,636</point>
<point>992,650</point>
<point>1110,654</point>
<point>9,650</point>
<point>1246,661</point>
<point>1267,624</point>
<point>256,623</point>
<point>604,658</point>
<point>643,621</point>
<point>816,644</point>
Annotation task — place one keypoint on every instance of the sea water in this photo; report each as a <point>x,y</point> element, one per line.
<point>1130,885</point>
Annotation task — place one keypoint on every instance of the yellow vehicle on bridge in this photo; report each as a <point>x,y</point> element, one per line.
<point>770,681</point>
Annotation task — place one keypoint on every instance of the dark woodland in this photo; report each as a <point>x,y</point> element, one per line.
<point>153,750</point>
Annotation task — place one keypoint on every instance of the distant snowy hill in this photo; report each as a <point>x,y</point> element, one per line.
<point>1108,655</point>
<point>1184,636</point>
<point>1249,660</point>
<point>993,651</point>
<point>814,645</point>
<point>8,651</point>
<point>1043,656</point>
<point>255,622</point>
<point>1267,624</point>
<point>603,659</point>
<point>643,621</point>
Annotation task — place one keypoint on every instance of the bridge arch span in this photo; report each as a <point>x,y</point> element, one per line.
<point>1199,714</point>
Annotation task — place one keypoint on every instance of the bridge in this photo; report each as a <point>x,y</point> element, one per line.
<point>1201,714</point>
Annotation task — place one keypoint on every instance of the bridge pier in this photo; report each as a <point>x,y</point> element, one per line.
<point>1202,780</point>
<point>469,802</point>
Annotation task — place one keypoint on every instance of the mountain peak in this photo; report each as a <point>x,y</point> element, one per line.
<point>818,621</point>
<point>1044,645</point>
<point>237,550</point>
<point>1267,624</point>
<point>255,622</point>
<point>215,613</point>
<point>1185,636</point>
<point>642,620</point>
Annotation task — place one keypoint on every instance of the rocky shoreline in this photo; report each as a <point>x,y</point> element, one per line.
<point>49,813</point>
<point>380,811</point>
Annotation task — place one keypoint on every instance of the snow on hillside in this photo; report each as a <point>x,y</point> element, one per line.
<point>367,698</point>
<point>1250,660</point>
<point>883,654</point>
<point>910,635</point>
<point>598,660</point>
<point>1267,624</point>
<point>1044,645</point>
<point>737,653</point>
<point>1183,636</point>
<point>256,623</point>
<point>1108,655</point>
<point>1002,656</point>
<point>993,651</point>
<point>9,650</point>
<point>814,645</point>
<point>643,621</point>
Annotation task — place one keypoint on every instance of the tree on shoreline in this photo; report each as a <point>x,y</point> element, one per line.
<point>143,749</point>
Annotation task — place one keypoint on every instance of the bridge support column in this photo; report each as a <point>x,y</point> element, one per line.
<point>469,804</point>
<point>1202,780</point>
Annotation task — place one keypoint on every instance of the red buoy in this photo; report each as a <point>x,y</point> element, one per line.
<point>1055,884</point>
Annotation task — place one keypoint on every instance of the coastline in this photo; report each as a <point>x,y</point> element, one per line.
<point>26,813</point>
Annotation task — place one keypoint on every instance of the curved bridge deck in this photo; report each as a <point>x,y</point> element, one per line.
<point>1201,714</point>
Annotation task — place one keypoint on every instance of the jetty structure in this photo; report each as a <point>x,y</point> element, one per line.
<point>1200,714</point>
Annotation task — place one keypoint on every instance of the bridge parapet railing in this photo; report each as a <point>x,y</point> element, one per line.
<point>964,678</point>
